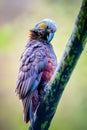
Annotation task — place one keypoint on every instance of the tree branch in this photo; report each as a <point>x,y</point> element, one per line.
<point>72,52</point>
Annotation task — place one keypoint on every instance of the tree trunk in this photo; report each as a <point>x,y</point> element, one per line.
<point>55,88</point>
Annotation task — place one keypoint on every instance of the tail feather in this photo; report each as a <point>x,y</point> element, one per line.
<point>30,103</point>
<point>26,107</point>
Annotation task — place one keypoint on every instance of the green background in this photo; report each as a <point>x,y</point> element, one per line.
<point>16,19</point>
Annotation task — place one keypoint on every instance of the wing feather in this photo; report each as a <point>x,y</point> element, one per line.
<point>33,62</point>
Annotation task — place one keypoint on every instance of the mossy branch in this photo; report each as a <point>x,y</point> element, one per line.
<point>72,52</point>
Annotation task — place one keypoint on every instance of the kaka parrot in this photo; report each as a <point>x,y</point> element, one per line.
<point>38,63</point>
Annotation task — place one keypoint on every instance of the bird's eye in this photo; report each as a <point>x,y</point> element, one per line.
<point>49,29</point>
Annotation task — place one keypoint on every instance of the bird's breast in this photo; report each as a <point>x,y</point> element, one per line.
<point>50,67</point>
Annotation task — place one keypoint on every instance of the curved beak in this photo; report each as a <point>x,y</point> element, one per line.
<point>50,37</point>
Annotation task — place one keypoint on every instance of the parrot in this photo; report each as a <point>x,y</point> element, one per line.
<point>38,63</point>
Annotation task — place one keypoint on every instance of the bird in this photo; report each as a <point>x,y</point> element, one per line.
<point>38,63</point>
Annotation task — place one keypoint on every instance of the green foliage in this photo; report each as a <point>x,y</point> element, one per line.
<point>5,36</point>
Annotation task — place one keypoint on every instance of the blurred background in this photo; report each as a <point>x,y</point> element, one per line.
<point>16,19</point>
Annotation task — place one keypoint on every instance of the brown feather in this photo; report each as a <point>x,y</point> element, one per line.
<point>37,36</point>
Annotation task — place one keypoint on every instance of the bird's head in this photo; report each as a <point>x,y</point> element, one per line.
<point>44,30</point>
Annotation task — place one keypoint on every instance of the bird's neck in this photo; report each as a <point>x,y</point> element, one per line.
<point>36,36</point>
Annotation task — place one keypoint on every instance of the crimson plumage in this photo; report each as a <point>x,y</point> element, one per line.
<point>38,63</point>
